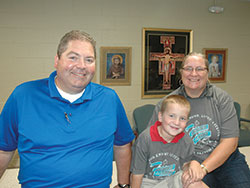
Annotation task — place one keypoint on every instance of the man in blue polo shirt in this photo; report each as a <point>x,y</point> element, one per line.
<point>65,127</point>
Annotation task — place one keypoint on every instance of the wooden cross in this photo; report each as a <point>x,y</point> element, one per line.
<point>166,60</point>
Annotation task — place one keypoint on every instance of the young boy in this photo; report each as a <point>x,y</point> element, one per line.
<point>161,150</point>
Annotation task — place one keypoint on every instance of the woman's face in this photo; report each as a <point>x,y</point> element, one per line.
<point>195,80</point>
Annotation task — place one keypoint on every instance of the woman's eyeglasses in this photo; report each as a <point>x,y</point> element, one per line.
<point>197,69</point>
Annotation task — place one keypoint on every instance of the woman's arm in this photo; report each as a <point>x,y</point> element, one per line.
<point>194,172</point>
<point>221,153</point>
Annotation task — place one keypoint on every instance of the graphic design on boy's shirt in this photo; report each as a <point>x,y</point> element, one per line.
<point>164,168</point>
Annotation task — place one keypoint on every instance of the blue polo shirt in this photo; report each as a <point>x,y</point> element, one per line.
<point>63,144</point>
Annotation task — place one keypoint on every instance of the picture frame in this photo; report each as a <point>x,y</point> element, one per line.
<point>217,59</point>
<point>115,66</point>
<point>163,53</point>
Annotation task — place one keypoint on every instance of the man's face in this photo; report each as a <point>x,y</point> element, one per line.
<point>76,67</point>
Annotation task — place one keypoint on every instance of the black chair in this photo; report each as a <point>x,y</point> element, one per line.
<point>244,139</point>
<point>142,115</point>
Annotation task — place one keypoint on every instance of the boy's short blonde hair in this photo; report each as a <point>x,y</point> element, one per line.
<point>175,99</point>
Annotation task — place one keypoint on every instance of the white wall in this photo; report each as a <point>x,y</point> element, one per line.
<point>30,31</point>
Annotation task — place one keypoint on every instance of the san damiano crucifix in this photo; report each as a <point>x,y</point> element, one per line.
<point>166,60</point>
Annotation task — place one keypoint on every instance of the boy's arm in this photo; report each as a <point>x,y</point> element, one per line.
<point>5,158</point>
<point>139,159</point>
<point>136,180</point>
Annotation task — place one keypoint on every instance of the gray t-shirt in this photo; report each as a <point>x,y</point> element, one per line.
<point>158,160</point>
<point>212,117</point>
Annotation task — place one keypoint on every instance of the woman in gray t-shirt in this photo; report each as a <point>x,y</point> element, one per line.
<point>213,127</point>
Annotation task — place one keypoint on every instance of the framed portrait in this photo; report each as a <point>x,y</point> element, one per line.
<point>115,63</point>
<point>217,58</point>
<point>163,53</point>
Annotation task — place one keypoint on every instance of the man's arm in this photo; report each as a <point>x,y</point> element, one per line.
<point>122,155</point>
<point>5,158</point>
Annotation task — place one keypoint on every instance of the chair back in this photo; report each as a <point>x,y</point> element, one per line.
<point>237,108</point>
<point>244,139</point>
<point>142,116</point>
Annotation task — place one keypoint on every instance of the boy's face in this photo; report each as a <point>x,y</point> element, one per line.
<point>173,120</point>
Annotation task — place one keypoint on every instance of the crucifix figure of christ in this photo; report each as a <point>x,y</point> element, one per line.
<point>166,60</point>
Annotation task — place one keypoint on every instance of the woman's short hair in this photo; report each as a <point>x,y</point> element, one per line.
<point>202,56</point>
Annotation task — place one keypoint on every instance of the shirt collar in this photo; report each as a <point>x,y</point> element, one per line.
<point>206,93</point>
<point>87,95</point>
<point>155,136</point>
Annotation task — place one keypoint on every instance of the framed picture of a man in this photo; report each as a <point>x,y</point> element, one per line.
<point>217,58</point>
<point>163,53</point>
<point>115,65</point>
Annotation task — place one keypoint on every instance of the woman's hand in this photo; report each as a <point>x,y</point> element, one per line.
<point>192,172</point>
<point>186,179</point>
<point>195,171</point>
